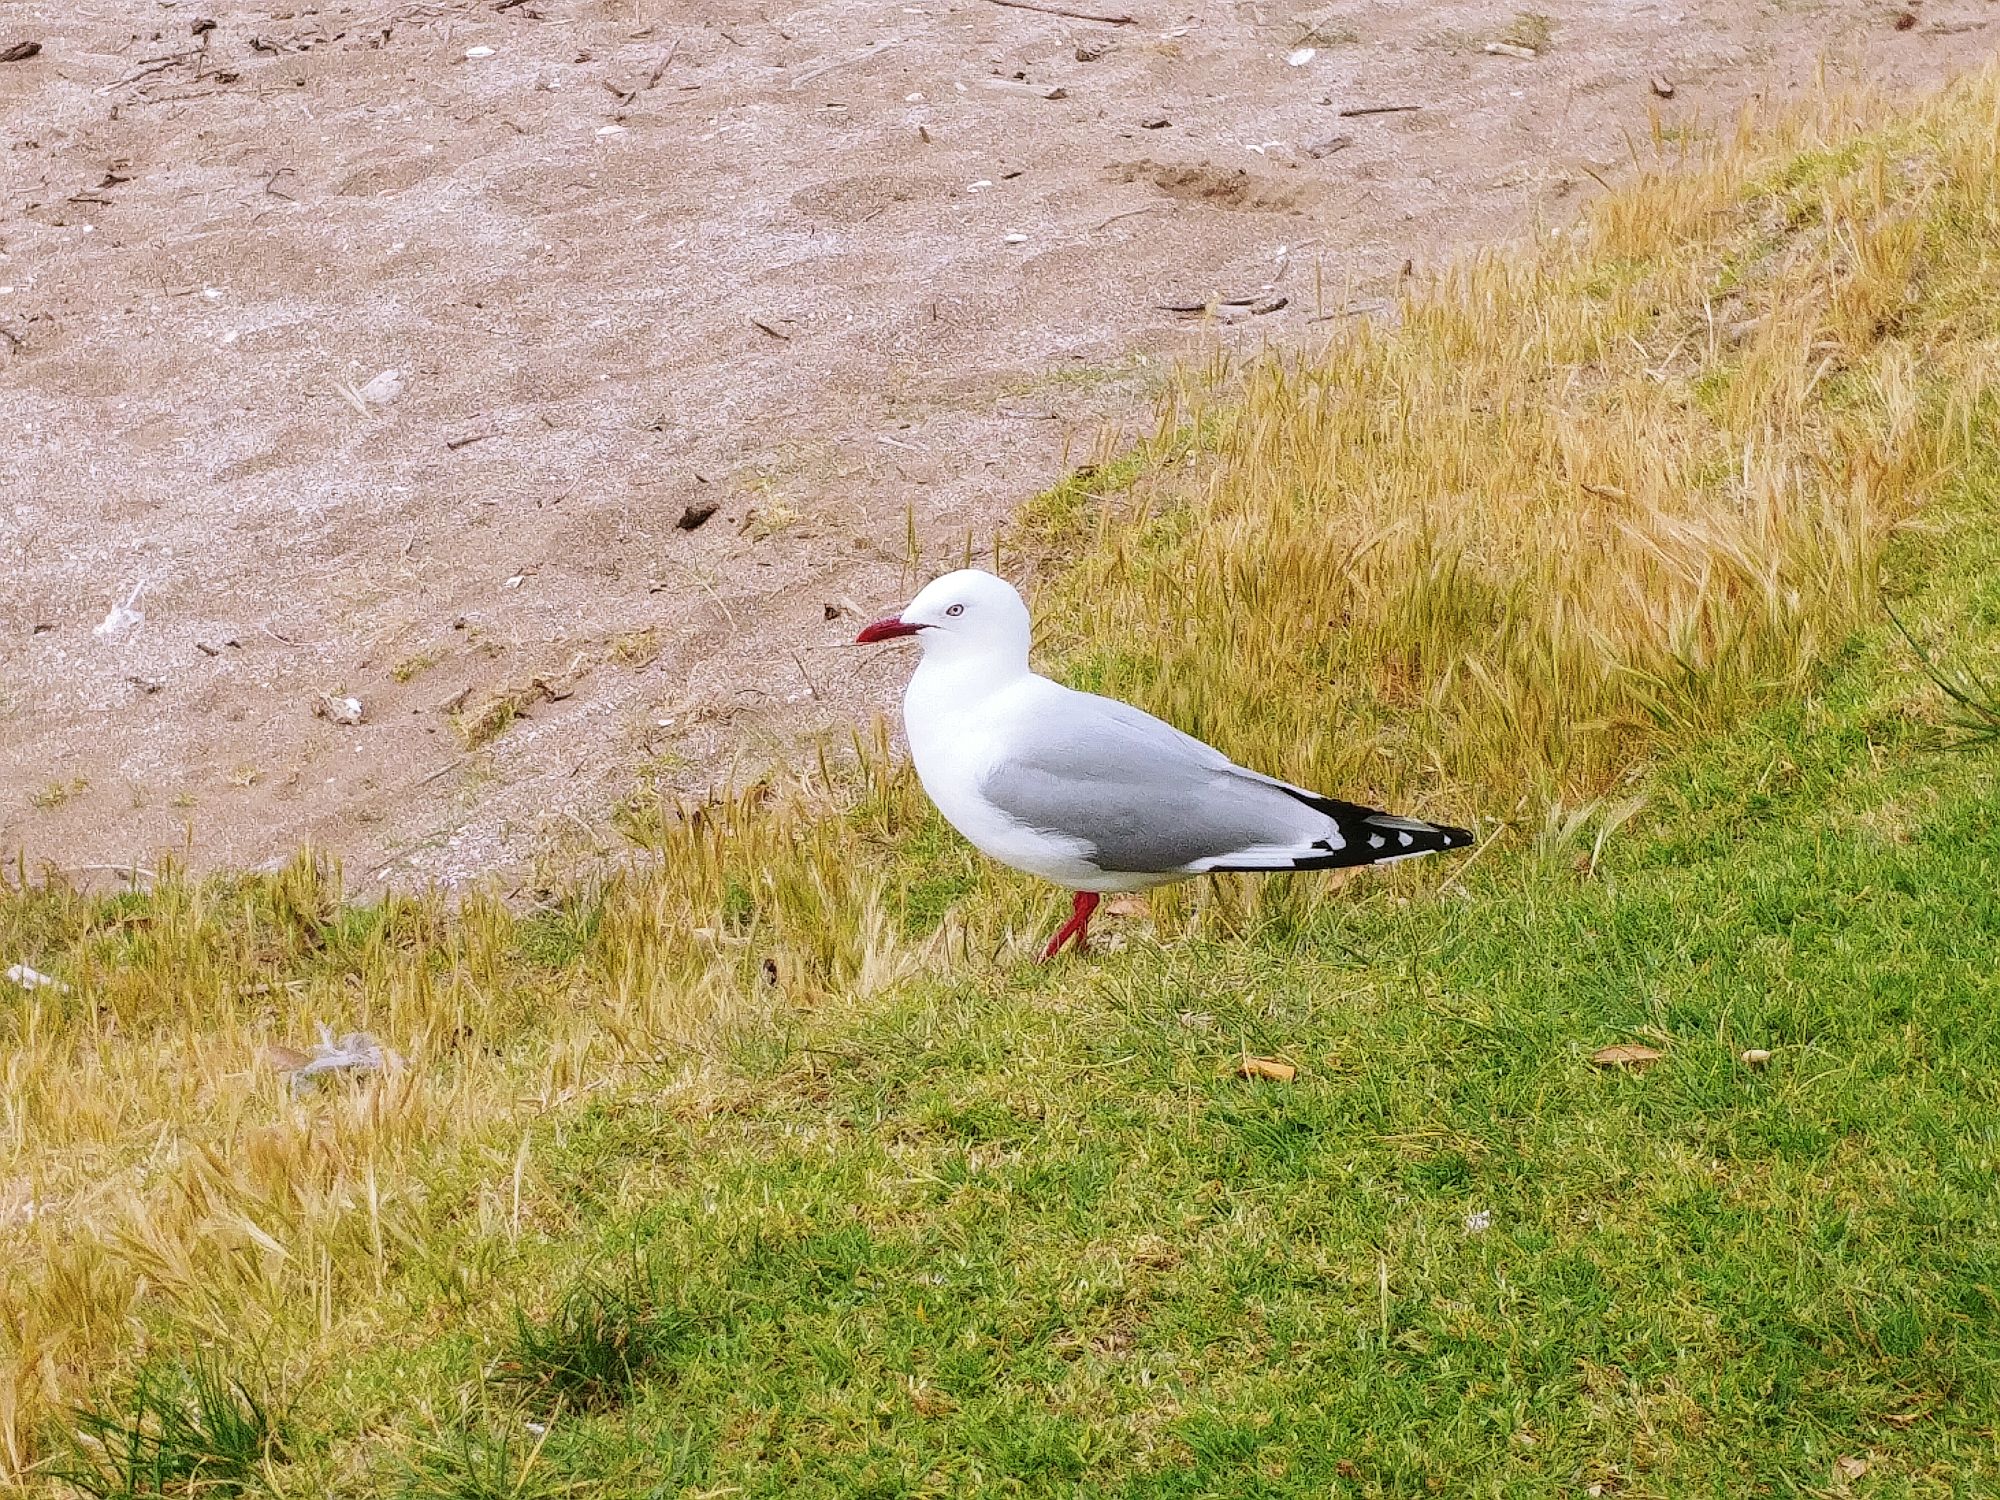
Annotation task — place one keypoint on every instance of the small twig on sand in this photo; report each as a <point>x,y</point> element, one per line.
<point>444,770</point>
<point>664,63</point>
<point>807,75</point>
<point>149,67</point>
<point>1064,10</point>
<point>811,686</point>
<point>1141,209</point>
<point>1378,109</point>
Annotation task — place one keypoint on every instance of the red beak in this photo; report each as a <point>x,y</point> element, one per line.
<point>885,630</point>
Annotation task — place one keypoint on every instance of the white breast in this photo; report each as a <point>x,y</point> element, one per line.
<point>955,728</point>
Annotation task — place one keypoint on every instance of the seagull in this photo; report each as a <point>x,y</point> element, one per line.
<point>1093,794</point>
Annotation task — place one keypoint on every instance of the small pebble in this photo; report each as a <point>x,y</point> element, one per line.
<point>478,52</point>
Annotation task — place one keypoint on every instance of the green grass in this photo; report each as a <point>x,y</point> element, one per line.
<point>1024,1231</point>
<point>193,1429</point>
<point>1030,1228</point>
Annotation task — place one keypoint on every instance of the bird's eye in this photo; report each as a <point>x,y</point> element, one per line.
<point>956,609</point>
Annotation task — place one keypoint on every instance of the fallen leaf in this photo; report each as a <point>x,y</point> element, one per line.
<point>1127,906</point>
<point>1850,1468</point>
<point>1627,1055</point>
<point>1266,1067</point>
<point>285,1059</point>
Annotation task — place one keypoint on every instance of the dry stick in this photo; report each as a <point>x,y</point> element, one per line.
<point>1141,209</point>
<point>1372,109</point>
<point>664,63</point>
<point>1064,10</point>
<point>811,686</point>
<point>809,74</point>
<point>441,771</point>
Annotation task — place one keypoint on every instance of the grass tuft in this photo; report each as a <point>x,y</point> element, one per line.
<point>186,1429</point>
<point>1977,701</point>
<point>606,1336</point>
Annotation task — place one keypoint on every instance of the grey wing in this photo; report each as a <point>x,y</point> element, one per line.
<point>1144,797</point>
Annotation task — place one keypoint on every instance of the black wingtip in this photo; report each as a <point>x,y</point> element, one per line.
<point>1370,836</point>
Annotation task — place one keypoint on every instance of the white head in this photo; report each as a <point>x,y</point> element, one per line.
<point>969,615</point>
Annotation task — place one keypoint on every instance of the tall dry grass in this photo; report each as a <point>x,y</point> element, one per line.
<point>1579,501</point>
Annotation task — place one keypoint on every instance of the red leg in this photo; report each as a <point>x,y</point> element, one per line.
<point>1079,919</point>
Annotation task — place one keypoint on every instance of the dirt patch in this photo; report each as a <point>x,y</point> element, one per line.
<point>1211,186</point>
<point>842,272</point>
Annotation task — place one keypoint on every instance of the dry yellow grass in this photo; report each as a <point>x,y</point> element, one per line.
<point>1578,500</point>
<point>1615,489</point>
<point>157,1169</point>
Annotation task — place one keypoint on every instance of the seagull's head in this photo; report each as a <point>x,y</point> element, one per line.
<point>968,613</point>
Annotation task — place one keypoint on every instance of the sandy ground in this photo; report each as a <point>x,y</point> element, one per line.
<point>832,269</point>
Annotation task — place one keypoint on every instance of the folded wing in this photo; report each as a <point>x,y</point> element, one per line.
<point>1148,799</point>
